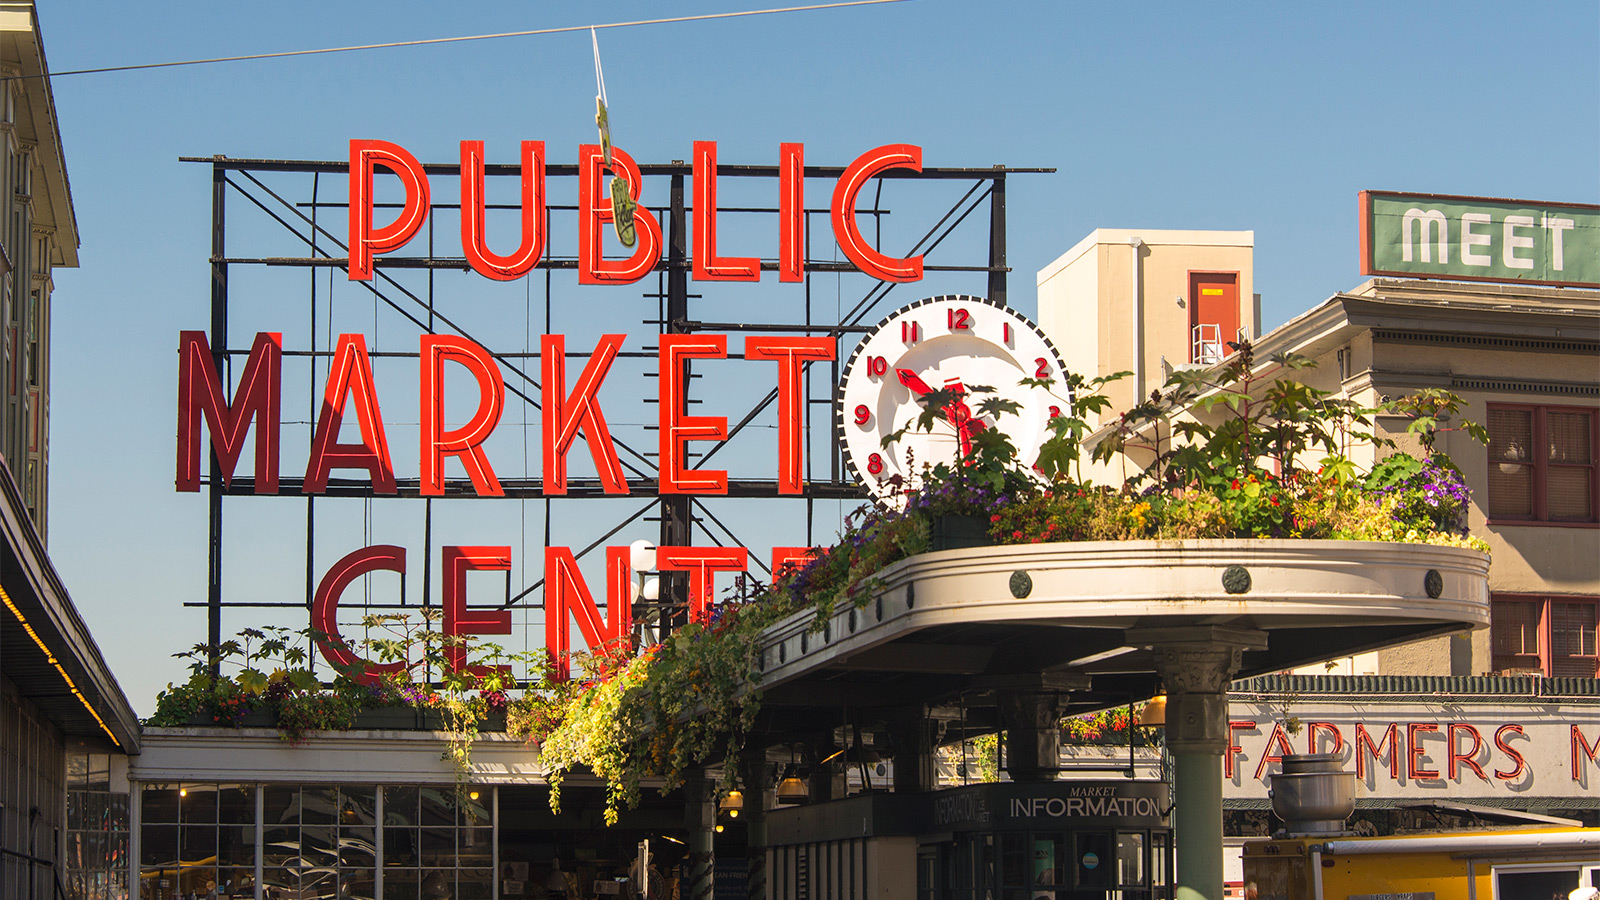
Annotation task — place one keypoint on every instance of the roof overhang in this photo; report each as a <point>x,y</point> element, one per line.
<point>21,46</point>
<point>45,647</point>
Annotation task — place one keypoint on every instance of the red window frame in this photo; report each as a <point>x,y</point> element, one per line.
<point>1540,463</point>
<point>1544,659</point>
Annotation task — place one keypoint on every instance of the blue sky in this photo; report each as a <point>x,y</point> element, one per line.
<point>1240,116</point>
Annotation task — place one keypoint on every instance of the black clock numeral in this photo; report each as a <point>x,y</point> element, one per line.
<point>958,319</point>
<point>862,414</point>
<point>877,365</point>
<point>1044,368</point>
<point>875,464</point>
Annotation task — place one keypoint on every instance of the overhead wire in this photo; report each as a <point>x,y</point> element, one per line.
<point>454,40</point>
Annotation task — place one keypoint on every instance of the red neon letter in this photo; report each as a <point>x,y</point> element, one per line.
<point>1501,735</point>
<point>845,230</point>
<point>473,241</point>
<point>458,620</point>
<point>564,415</point>
<point>466,441</point>
<point>1414,753</point>
<point>1323,727</point>
<point>1276,749</point>
<point>678,428</point>
<point>595,211</point>
<point>1470,757</point>
<point>707,265</point>
<point>325,608</point>
<point>1233,748</point>
<point>200,395</point>
<point>364,240</point>
<point>1578,742</point>
<point>789,353</point>
<point>791,212</point>
<point>567,597</point>
<point>702,564</point>
<point>1391,737</point>
<point>351,374</point>
<point>790,560</point>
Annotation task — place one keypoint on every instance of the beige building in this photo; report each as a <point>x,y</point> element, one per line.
<point>38,233</point>
<point>1527,362</point>
<point>1147,301</point>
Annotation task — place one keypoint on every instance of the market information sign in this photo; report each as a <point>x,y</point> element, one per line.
<point>1480,239</point>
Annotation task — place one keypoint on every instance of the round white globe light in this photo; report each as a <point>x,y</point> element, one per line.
<point>642,556</point>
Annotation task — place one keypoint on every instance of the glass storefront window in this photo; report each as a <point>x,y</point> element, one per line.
<point>97,830</point>
<point>1130,859</point>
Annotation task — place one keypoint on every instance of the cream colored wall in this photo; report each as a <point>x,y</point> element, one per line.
<point>1098,336</point>
<point>1069,308</point>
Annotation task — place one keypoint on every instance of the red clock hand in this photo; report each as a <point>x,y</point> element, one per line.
<point>956,412</point>
<point>911,380</point>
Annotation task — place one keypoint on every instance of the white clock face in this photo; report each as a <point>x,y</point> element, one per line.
<point>942,343</point>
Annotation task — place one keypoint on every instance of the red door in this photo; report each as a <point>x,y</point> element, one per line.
<point>1213,315</point>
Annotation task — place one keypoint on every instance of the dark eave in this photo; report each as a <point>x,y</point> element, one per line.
<point>33,587</point>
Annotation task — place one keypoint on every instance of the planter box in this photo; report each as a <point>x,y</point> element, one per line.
<point>248,720</point>
<point>960,532</point>
<point>393,718</point>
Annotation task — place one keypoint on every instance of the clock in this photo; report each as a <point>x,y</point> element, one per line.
<point>941,343</point>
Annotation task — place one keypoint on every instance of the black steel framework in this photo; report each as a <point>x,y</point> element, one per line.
<point>678,515</point>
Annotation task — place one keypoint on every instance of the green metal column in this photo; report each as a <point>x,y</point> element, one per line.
<point>1198,811</point>
<point>1196,664</point>
<point>700,817</point>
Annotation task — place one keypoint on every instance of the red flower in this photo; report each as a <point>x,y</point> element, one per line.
<point>1016,535</point>
<point>994,518</point>
<point>1236,484</point>
<point>1274,501</point>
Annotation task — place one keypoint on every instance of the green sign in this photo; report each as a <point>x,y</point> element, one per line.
<point>1480,239</point>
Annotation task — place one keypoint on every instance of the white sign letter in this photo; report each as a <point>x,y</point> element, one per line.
<point>1556,226</point>
<point>1511,241</point>
<point>1426,221</point>
<point>1470,240</point>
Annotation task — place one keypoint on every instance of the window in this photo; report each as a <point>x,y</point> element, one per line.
<point>1542,463</point>
<point>1553,636</point>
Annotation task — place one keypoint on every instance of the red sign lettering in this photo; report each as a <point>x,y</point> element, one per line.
<point>1503,734</point>
<point>466,441</point>
<point>1364,745</point>
<point>325,607</point>
<point>365,156</point>
<point>351,375</point>
<point>1416,753</point>
<point>789,353</point>
<point>848,233</point>
<point>200,395</point>
<point>473,241</point>
<point>567,598</point>
<point>459,619</point>
<point>595,211</point>
<point>678,428</point>
<point>702,564</point>
<point>565,415</point>
<point>1583,746</point>
<point>708,266</point>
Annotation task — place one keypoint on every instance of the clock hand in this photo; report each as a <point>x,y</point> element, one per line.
<point>911,380</point>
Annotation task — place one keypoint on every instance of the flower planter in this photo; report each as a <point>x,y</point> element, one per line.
<point>251,719</point>
<point>389,718</point>
<point>960,532</point>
